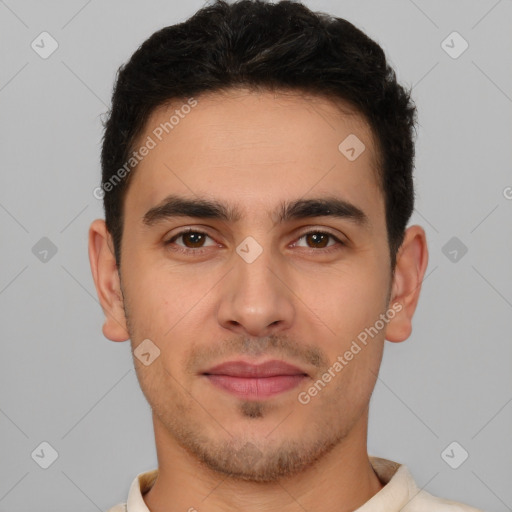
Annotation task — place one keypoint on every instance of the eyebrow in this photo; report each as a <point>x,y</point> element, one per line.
<point>177,206</point>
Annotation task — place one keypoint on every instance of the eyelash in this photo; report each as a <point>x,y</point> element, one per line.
<point>199,251</point>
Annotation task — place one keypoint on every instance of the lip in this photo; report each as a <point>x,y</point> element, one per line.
<point>251,381</point>
<point>272,368</point>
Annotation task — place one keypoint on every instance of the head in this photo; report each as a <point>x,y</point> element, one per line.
<point>282,141</point>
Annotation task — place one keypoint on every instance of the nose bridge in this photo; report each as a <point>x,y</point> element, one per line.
<point>254,297</point>
<point>253,270</point>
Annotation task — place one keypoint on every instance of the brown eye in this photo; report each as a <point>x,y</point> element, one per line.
<point>319,240</point>
<point>194,239</point>
<point>191,239</point>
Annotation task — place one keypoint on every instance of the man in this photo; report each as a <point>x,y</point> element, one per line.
<point>257,183</point>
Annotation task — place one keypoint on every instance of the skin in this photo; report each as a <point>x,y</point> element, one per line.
<point>295,302</point>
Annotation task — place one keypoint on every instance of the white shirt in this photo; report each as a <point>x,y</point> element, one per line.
<point>399,494</point>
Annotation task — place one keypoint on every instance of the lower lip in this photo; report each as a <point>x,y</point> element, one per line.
<point>254,388</point>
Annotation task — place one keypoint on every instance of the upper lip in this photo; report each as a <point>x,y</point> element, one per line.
<point>271,368</point>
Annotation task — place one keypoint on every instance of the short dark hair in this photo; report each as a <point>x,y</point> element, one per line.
<point>259,45</point>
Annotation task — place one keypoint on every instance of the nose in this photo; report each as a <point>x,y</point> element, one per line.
<point>255,298</point>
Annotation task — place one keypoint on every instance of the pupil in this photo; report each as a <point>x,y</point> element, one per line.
<point>316,237</point>
<point>197,236</point>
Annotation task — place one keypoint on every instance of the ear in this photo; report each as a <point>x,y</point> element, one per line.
<point>106,279</point>
<point>411,263</point>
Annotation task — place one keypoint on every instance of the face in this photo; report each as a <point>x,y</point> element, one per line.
<point>264,271</point>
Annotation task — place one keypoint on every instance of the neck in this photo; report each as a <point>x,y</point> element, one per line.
<point>341,481</point>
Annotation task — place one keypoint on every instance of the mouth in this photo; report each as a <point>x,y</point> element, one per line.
<point>250,381</point>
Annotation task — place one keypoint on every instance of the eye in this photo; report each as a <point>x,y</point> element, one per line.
<point>193,239</point>
<point>319,239</point>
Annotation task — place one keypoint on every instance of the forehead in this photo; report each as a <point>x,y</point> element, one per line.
<point>255,146</point>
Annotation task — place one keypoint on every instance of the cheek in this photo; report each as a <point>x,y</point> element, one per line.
<point>149,305</point>
<point>168,305</point>
<point>148,280</point>
<point>350,300</point>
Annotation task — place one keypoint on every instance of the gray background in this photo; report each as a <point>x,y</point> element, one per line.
<point>62,382</point>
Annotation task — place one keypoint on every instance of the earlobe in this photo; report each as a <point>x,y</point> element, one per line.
<point>411,264</point>
<point>106,279</point>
